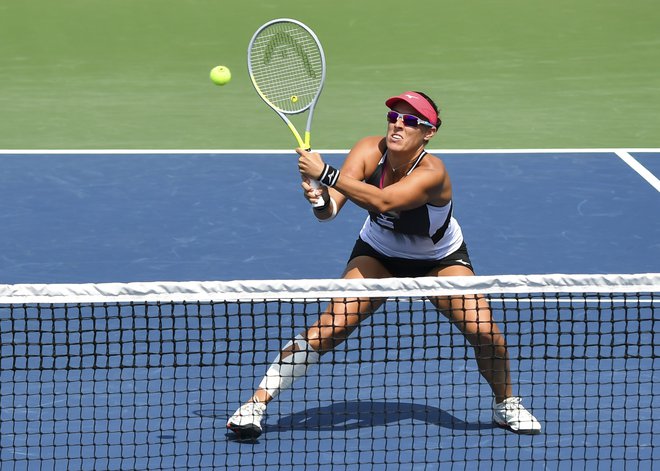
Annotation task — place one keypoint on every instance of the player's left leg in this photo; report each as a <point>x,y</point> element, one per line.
<point>472,315</point>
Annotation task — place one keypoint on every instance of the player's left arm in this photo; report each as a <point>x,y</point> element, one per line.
<point>422,186</point>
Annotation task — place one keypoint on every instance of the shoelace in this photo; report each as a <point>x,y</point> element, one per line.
<point>250,409</point>
<point>512,404</point>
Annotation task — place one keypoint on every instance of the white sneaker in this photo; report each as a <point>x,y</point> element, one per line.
<point>512,415</point>
<point>246,421</point>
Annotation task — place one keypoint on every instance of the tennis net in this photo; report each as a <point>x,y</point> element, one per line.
<point>145,375</point>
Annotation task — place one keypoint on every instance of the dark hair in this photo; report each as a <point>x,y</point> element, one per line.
<point>435,107</point>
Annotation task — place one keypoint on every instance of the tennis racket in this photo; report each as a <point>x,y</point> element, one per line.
<point>287,68</point>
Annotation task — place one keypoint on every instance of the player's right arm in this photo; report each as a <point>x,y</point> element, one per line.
<point>359,164</point>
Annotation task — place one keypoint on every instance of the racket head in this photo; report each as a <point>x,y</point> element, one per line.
<point>286,64</point>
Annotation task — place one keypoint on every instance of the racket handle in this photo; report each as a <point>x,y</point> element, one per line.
<point>316,185</point>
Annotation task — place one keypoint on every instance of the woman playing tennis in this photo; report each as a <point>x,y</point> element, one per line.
<point>409,232</point>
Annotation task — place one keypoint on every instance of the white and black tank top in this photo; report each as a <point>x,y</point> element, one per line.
<point>425,233</point>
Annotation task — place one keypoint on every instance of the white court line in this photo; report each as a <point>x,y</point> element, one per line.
<point>639,168</point>
<point>330,151</point>
<point>624,154</point>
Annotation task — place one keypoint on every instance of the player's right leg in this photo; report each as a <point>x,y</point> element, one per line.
<point>341,317</point>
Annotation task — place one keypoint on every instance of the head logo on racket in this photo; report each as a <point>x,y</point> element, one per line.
<point>285,42</point>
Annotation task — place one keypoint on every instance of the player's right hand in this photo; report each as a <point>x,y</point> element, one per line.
<point>313,194</point>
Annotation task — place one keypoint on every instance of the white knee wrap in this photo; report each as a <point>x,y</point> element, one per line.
<point>284,371</point>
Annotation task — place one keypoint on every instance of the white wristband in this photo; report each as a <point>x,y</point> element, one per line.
<point>333,211</point>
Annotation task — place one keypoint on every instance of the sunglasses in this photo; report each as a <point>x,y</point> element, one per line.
<point>408,119</point>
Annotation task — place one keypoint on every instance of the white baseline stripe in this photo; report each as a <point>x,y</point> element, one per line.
<point>209,152</point>
<point>639,168</point>
<point>291,151</point>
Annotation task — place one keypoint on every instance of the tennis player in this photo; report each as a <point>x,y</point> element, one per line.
<point>409,232</point>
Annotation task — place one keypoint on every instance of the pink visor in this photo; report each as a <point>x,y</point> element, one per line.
<point>417,101</point>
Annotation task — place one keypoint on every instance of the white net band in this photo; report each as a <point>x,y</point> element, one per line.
<point>249,290</point>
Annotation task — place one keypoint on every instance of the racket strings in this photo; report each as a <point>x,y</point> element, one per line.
<point>286,65</point>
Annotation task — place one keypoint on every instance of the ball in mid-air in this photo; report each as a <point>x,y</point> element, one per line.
<point>294,98</point>
<point>220,75</point>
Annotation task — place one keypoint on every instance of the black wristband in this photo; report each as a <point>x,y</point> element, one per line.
<point>329,176</point>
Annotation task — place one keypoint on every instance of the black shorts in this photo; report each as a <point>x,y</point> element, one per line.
<point>410,268</point>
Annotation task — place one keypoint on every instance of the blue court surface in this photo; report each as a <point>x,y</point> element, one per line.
<point>87,217</point>
<point>150,217</point>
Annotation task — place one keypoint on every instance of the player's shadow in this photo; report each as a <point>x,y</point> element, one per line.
<point>352,415</point>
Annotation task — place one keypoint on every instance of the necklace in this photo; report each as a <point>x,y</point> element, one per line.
<point>394,169</point>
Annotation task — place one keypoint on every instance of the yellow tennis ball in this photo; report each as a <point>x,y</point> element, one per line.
<point>220,75</point>
<point>294,98</point>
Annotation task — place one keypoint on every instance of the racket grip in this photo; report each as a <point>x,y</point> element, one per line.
<point>316,185</point>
